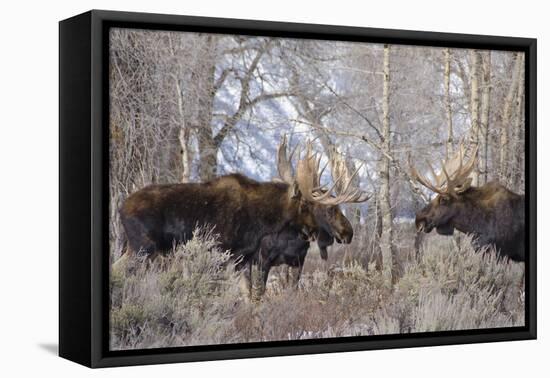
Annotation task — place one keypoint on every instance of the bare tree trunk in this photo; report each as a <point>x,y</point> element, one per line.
<point>518,146</point>
<point>463,75</point>
<point>505,120</point>
<point>377,236</point>
<point>208,159</point>
<point>448,109</point>
<point>484,121</point>
<point>474,105</point>
<point>184,132</point>
<point>185,154</point>
<point>386,242</point>
<point>206,68</point>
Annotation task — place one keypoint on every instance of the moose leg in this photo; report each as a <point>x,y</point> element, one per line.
<point>245,283</point>
<point>324,253</point>
<point>139,237</point>
<point>295,274</point>
<point>324,258</point>
<point>457,241</point>
<point>265,267</point>
<point>284,273</point>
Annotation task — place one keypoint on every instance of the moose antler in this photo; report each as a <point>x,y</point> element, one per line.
<point>454,177</point>
<point>308,177</point>
<point>284,165</point>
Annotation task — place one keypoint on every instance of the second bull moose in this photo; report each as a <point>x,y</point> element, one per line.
<point>492,214</point>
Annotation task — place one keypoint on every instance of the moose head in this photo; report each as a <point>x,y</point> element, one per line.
<point>448,209</point>
<point>325,200</point>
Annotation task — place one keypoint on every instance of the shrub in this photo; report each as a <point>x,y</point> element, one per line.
<point>193,298</point>
<point>466,289</point>
<point>190,299</point>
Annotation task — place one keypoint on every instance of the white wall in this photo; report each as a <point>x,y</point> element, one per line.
<point>28,159</point>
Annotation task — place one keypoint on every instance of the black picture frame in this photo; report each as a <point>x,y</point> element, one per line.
<point>83,195</point>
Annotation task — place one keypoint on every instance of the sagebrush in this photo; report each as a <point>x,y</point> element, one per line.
<point>193,297</point>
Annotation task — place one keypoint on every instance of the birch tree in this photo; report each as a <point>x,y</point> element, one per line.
<point>207,87</point>
<point>386,241</point>
<point>518,140</point>
<point>484,117</point>
<point>184,135</point>
<point>447,100</point>
<point>505,125</point>
<point>474,105</point>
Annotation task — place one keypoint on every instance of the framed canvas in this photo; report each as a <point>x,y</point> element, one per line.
<point>234,188</point>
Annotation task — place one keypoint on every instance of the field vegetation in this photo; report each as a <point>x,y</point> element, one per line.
<point>193,297</point>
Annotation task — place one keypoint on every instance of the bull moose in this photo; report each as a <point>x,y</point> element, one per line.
<point>242,211</point>
<point>286,247</point>
<point>492,214</point>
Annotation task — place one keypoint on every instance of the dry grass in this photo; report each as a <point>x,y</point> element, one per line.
<point>195,299</point>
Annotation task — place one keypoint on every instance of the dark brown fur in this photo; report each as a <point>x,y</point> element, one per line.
<point>287,247</point>
<point>240,210</point>
<point>491,213</point>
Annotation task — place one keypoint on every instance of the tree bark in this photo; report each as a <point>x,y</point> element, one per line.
<point>206,69</point>
<point>448,108</point>
<point>484,120</point>
<point>505,120</point>
<point>186,156</point>
<point>184,133</point>
<point>518,142</point>
<point>474,106</point>
<point>386,241</point>
<point>376,255</point>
